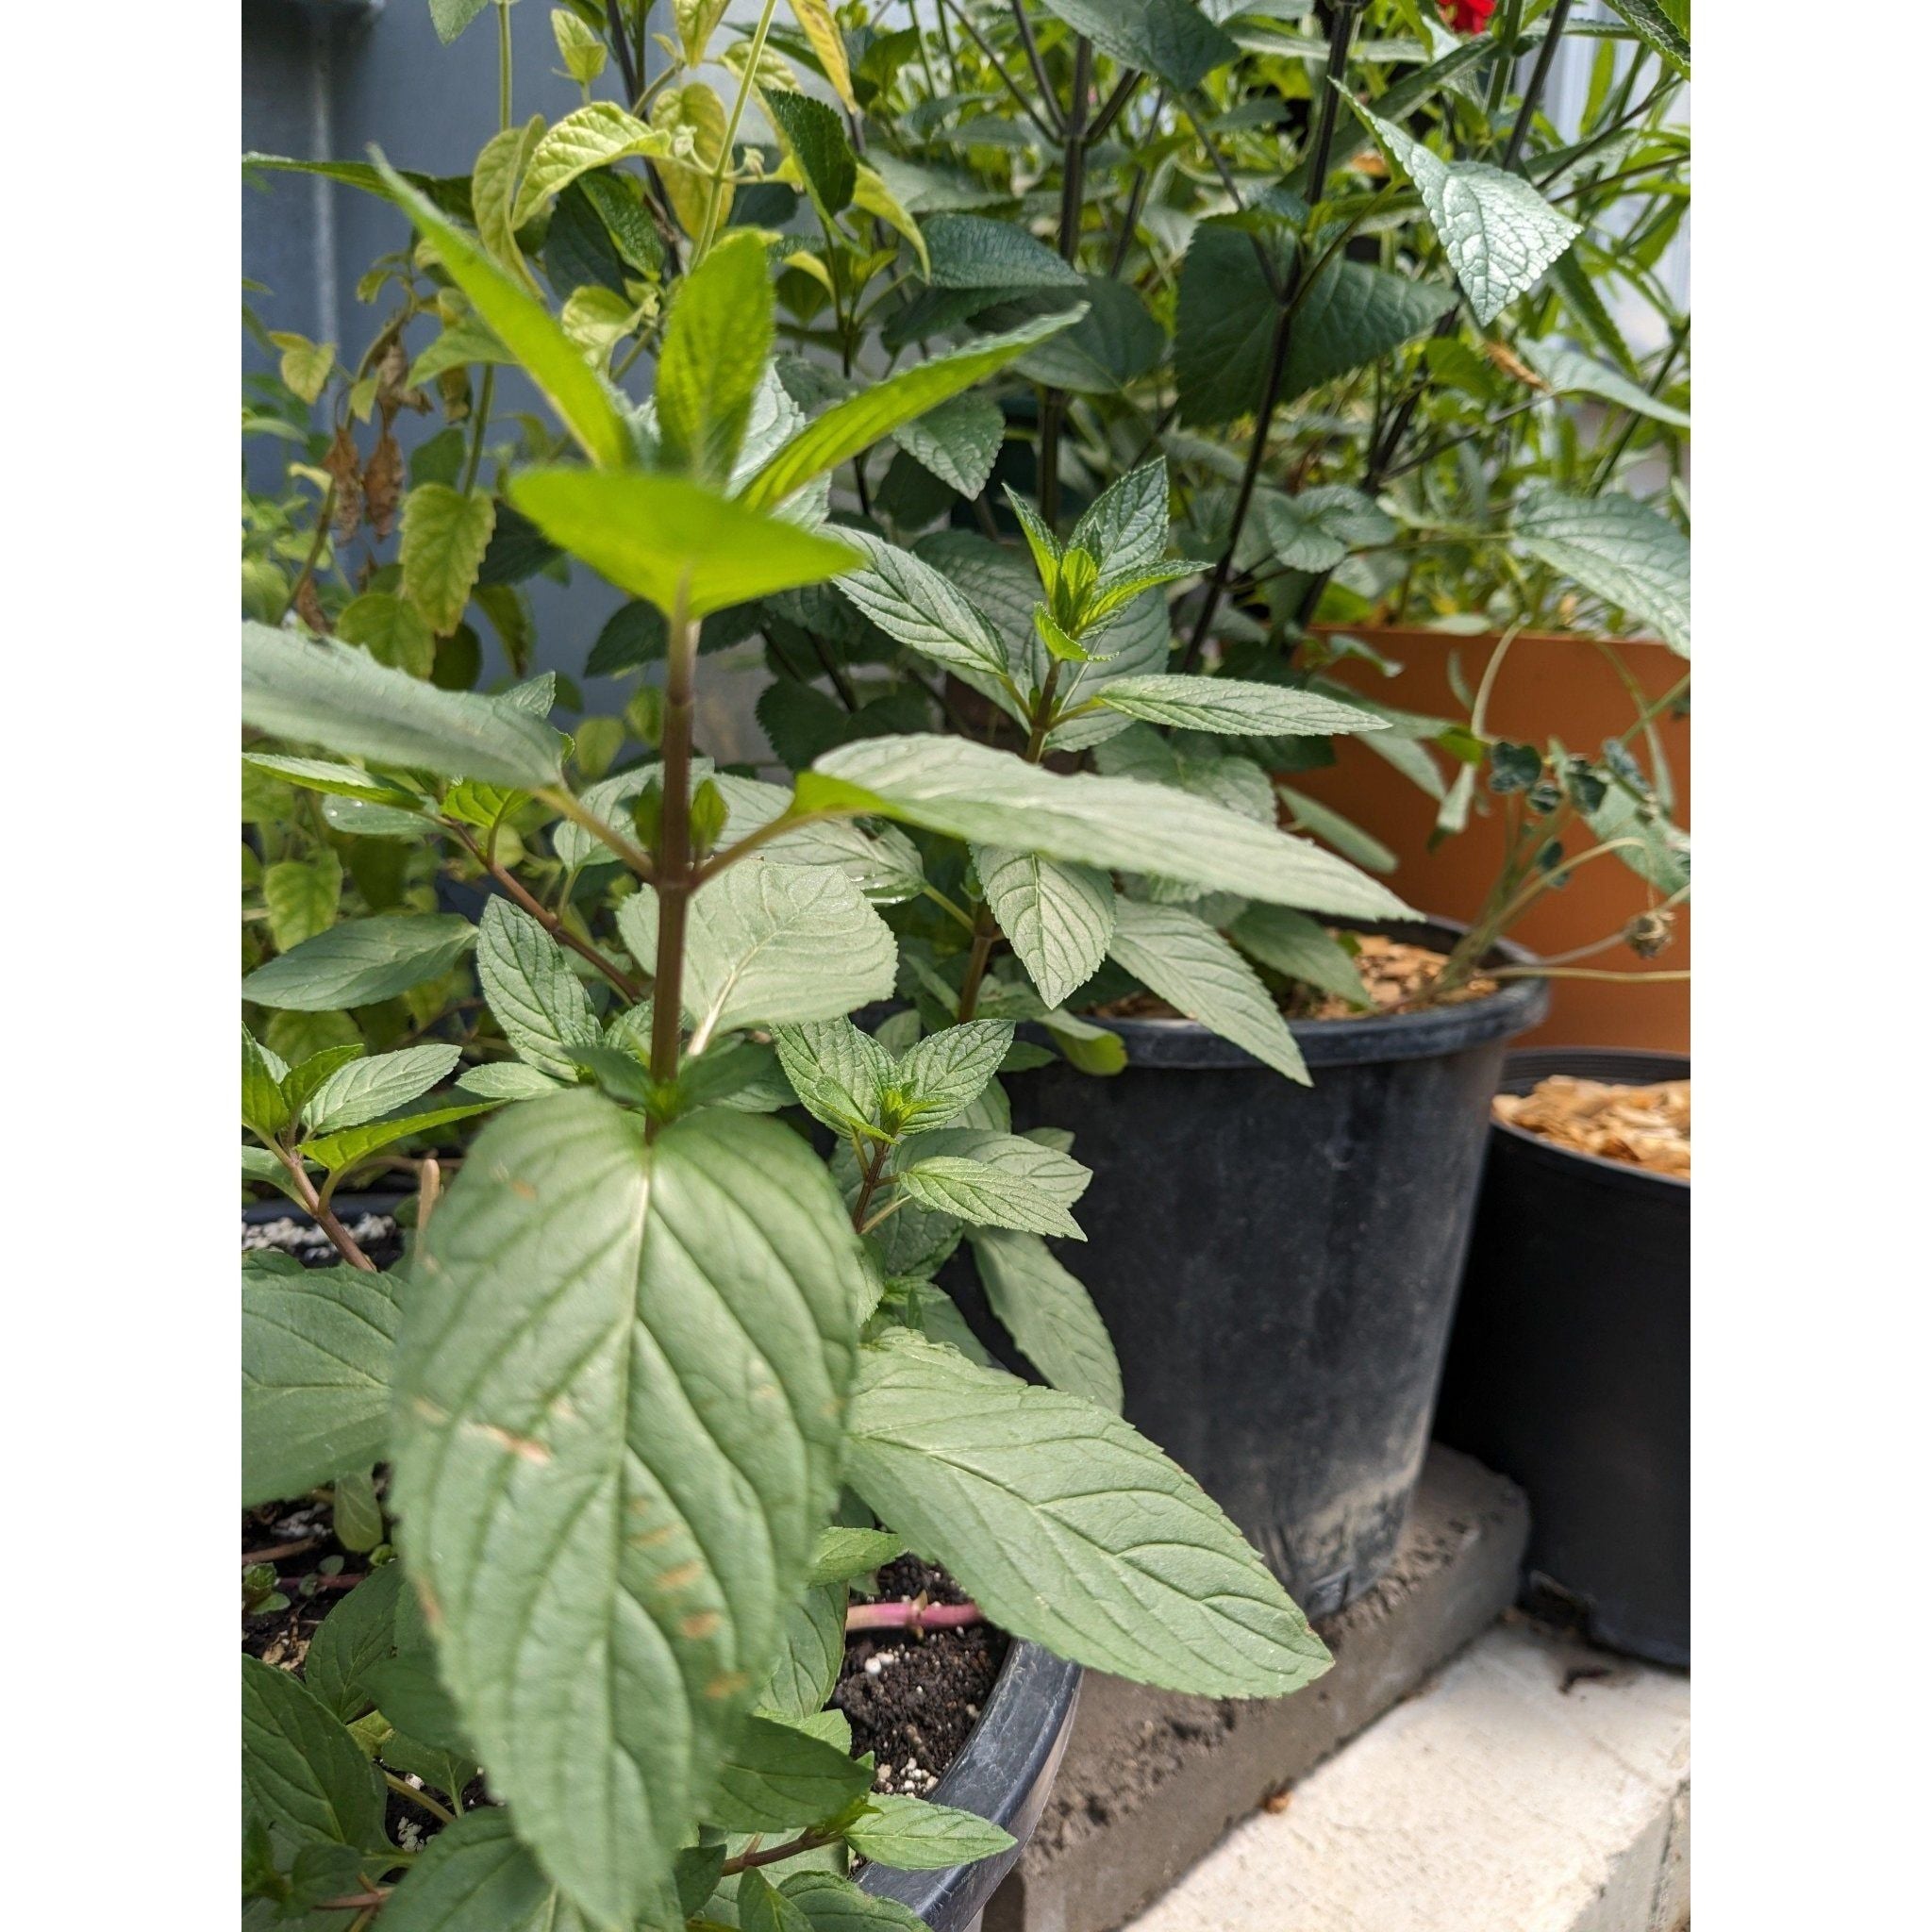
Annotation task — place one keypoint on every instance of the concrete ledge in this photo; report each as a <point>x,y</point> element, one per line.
<point>1153,1779</point>
<point>1534,1786</point>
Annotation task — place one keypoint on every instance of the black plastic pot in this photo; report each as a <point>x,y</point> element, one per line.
<point>1004,1773</point>
<point>1009,1761</point>
<point>348,1207</point>
<point>1277,1264</point>
<point>1570,1366</point>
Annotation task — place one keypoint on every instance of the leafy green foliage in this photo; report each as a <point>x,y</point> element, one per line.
<point>355,965</point>
<point>313,692</point>
<point>1631,554</point>
<point>939,1445</point>
<point>992,798</point>
<point>597,1388</point>
<point>672,542</point>
<point>612,1377</point>
<point>316,1352</point>
<point>1499,232</point>
<point>1195,971</point>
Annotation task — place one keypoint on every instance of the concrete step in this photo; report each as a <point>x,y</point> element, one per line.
<point>1531,1785</point>
<point>1153,1780</point>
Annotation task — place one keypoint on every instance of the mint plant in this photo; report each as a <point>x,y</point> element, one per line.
<point>658,1381</point>
<point>643,1338</point>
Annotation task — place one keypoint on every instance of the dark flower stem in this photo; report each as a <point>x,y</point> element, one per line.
<point>1340,31</point>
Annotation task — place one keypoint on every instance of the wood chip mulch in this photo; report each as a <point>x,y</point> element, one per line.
<point>1644,1126</point>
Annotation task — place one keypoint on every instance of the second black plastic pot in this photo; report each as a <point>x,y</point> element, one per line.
<point>1570,1366</point>
<point>1004,1773</point>
<point>1277,1264</point>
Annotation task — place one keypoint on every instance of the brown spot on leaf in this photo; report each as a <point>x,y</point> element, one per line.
<point>682,1576</point>
<point>524,1447</point>
<point>728,1684</point>
<point>700,1624</point>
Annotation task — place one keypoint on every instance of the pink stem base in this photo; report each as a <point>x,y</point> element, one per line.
<point>912,1615</point>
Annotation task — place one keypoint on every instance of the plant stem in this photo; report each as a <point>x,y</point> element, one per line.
<point>322,519</point>
<point>559,800</point>
<point>1012,87</point>
<point>985,928</point>
<point>428,1192</point>
<point>277,1553</point>
<point>1526,114</point>
<point>774,828</point>
<point>502,66</point>
<point>868,1183</point>
<point>1342,29</point>
<point>1579,973</point>
<point>1072,188</point>
<point>792,1848</point>
<point>675,877</point>
<point>1034,61</point>
<point>551,922</point>
<point>1113,106</point>
<point>914,1614</point>
<point>322,1214</point>
<point>722,166</point>
<point>404,1788</point>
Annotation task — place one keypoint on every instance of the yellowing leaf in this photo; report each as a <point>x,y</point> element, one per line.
<point>693,110</point>
<point>493,192</point>
<point>445,533</point>
<point>814,18</point>
<point>592,137</point>
<point>306,365</point>
<point>596,319</point>
<point>871,193</point>
<point>697,21</point>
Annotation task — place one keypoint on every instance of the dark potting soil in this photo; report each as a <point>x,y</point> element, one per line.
<point>376,1235</point>
<point>915,1698</point>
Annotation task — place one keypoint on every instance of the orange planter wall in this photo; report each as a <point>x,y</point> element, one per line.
<point>1548,687</point>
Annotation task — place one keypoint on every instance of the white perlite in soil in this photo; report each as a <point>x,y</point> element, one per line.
<point>294,1237</point>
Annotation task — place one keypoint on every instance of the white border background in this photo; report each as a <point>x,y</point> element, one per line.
<point>120,1351</point>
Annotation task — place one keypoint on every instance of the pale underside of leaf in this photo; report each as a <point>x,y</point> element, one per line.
<point>1058,918</point>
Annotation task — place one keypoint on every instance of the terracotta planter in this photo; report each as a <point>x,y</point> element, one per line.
<point>1553,685</point>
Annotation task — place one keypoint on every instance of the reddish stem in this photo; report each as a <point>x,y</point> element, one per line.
<point>912,1615</point>
<point>277,1553</point>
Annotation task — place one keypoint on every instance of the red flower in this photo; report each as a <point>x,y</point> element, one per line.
<point>1468,16</point>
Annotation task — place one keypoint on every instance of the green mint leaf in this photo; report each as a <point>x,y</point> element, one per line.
<point>1049,1313</point>
<point>316,1355</point>
<point>640,1354</point>
<point>1196,971</point>
<point>1017,1490</point>
<point>316,691</point>
<point>535,997</point>
<point>300,1767</point>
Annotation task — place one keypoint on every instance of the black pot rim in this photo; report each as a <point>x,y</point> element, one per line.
<point>1515,1006</point>
<point>1004,1772</point>
<point>1630,1066</point>
<point>279,1207</point>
